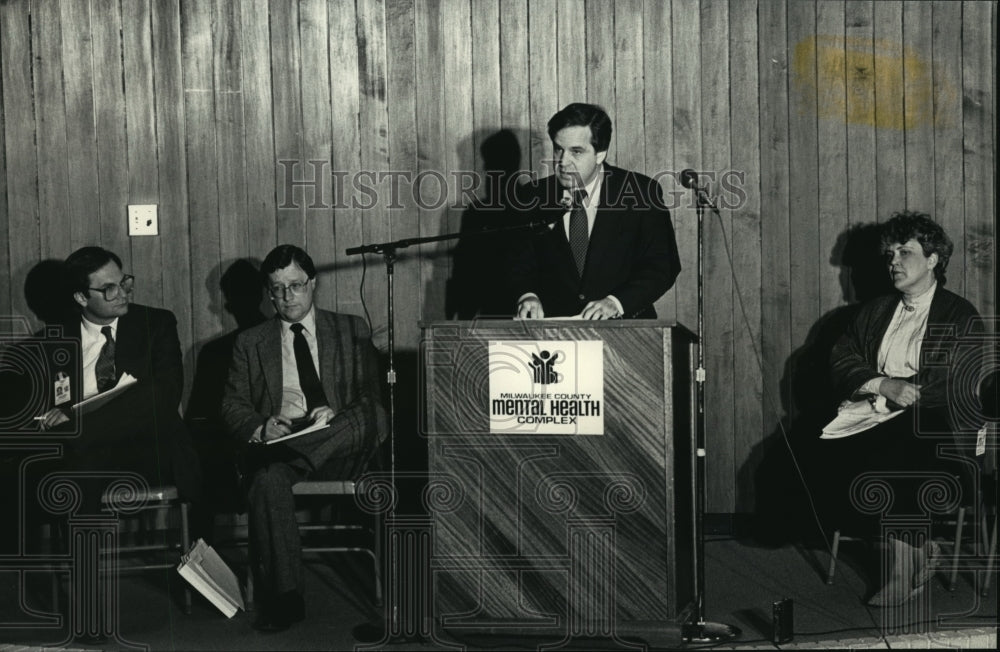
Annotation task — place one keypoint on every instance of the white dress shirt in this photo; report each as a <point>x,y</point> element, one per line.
<point>293,401</point>
<point>899,353</point>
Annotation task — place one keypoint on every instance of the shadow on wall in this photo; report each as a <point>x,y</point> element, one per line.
<point>242,298</point>
<point>769,482</point>
<point>47,293</point>
<point>478,283</point>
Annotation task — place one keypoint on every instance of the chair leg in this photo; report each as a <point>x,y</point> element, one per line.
<point>378,564</point>
<point>834,549</point>
<point>186,543</point>
<point>991,559</point>
<point>956,550</point>
<point>249,588</point>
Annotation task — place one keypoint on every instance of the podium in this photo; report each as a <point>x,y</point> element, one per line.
<point>561,535</point>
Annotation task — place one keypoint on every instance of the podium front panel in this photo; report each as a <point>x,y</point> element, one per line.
<point>568,532</point>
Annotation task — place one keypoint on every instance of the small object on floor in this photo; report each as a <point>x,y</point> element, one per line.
<point>782,621</point>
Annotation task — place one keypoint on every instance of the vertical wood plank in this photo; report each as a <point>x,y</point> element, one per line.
<point>715,112</point>
<point>979,119</point>
<point>456,139</point>
<point>949,208</point>
<point>317,142</point>
<point>745,129</point>
<point>686,63</point>
<point>147,261</point>
<point>404,213</point>
<point>630,152</point>
<point>806,88</point>
<point>601,56</point>
<point>81,137</point>
<point>918,91</point>
<point>430,51</point>
<point>345,138</point>
<point>543,87</point>
<point>260,161</point>
<point>862,205</point>
<point>514,80</point>
<point>5,239</point>
<point>202,167</point>
<point>286,98</point>
<point>50,113</point>
<point>374,126</point>
<point>949,200</point>
<point>832,163</point>
<point>571,33</point>
<point>889,146</point>
<point>172,172</point>
<point>233,227</point>
<point>112,143</point>
<point>486,96</point>
<point>658,120</point>
<point>19,147</point>
<point>774,193</point>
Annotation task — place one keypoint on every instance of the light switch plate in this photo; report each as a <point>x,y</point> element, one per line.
<point>142,219</point>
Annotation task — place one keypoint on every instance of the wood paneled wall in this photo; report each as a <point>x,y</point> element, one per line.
<point>835,113</point>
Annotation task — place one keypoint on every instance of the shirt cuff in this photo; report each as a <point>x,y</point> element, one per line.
<point>255,438</point>
<point>872,386</point>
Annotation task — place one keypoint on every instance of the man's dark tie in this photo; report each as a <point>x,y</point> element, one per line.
<point>308,378</point>
<point>105,367</point>
<point>578,237</point>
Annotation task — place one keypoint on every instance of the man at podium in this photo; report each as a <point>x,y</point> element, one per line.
<point>609,249</point>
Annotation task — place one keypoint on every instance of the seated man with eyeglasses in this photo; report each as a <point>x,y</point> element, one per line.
<point>140,430</point>
<point>304,367</point>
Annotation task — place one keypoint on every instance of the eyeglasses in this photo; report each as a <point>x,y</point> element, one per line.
<point>296,288</point>
<point>112,291</point>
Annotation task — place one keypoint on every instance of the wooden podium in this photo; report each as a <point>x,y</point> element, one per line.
<point>567,535</point>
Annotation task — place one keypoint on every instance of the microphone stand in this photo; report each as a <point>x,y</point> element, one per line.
<point>697,630</point>
<point>388,251</point>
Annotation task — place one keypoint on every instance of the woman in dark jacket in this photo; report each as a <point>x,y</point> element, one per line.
<point>911,352</point>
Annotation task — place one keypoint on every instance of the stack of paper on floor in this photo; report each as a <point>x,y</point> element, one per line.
<point>206,572</point>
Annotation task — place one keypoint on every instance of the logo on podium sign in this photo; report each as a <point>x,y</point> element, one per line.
<point>547,387</point>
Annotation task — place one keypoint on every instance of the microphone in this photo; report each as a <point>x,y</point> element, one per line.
<point>689,179</point>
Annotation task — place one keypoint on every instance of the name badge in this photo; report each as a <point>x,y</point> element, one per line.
<point>61,388</point>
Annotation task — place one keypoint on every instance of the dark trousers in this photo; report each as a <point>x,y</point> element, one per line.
<point>902,453</point>
<point>274,530</point>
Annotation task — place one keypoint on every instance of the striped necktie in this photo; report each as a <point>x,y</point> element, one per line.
<point>105,367</point>
<point>578,236</point>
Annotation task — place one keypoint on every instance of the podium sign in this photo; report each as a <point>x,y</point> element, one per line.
<point>579,529</point>
<point>553,387</point>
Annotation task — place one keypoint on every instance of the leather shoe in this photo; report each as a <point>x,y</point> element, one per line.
<point>286,610</point>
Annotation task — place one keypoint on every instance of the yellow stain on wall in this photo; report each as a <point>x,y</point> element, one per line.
<point>838,78</point>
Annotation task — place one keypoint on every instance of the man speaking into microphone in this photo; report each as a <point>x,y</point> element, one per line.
<point>609,250</point>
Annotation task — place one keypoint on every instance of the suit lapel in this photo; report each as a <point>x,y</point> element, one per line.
<point>128,345</point>
<point>602,237</point>
<point>270,363</point>
<point>326,340</point>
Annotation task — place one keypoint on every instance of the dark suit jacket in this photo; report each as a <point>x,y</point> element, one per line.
<point>950,355</point>
<point>632,252</point>
<point>140,430</point>
<point>348,369</point>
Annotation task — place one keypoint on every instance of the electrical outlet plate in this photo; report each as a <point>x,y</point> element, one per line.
<point>142,219</point>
